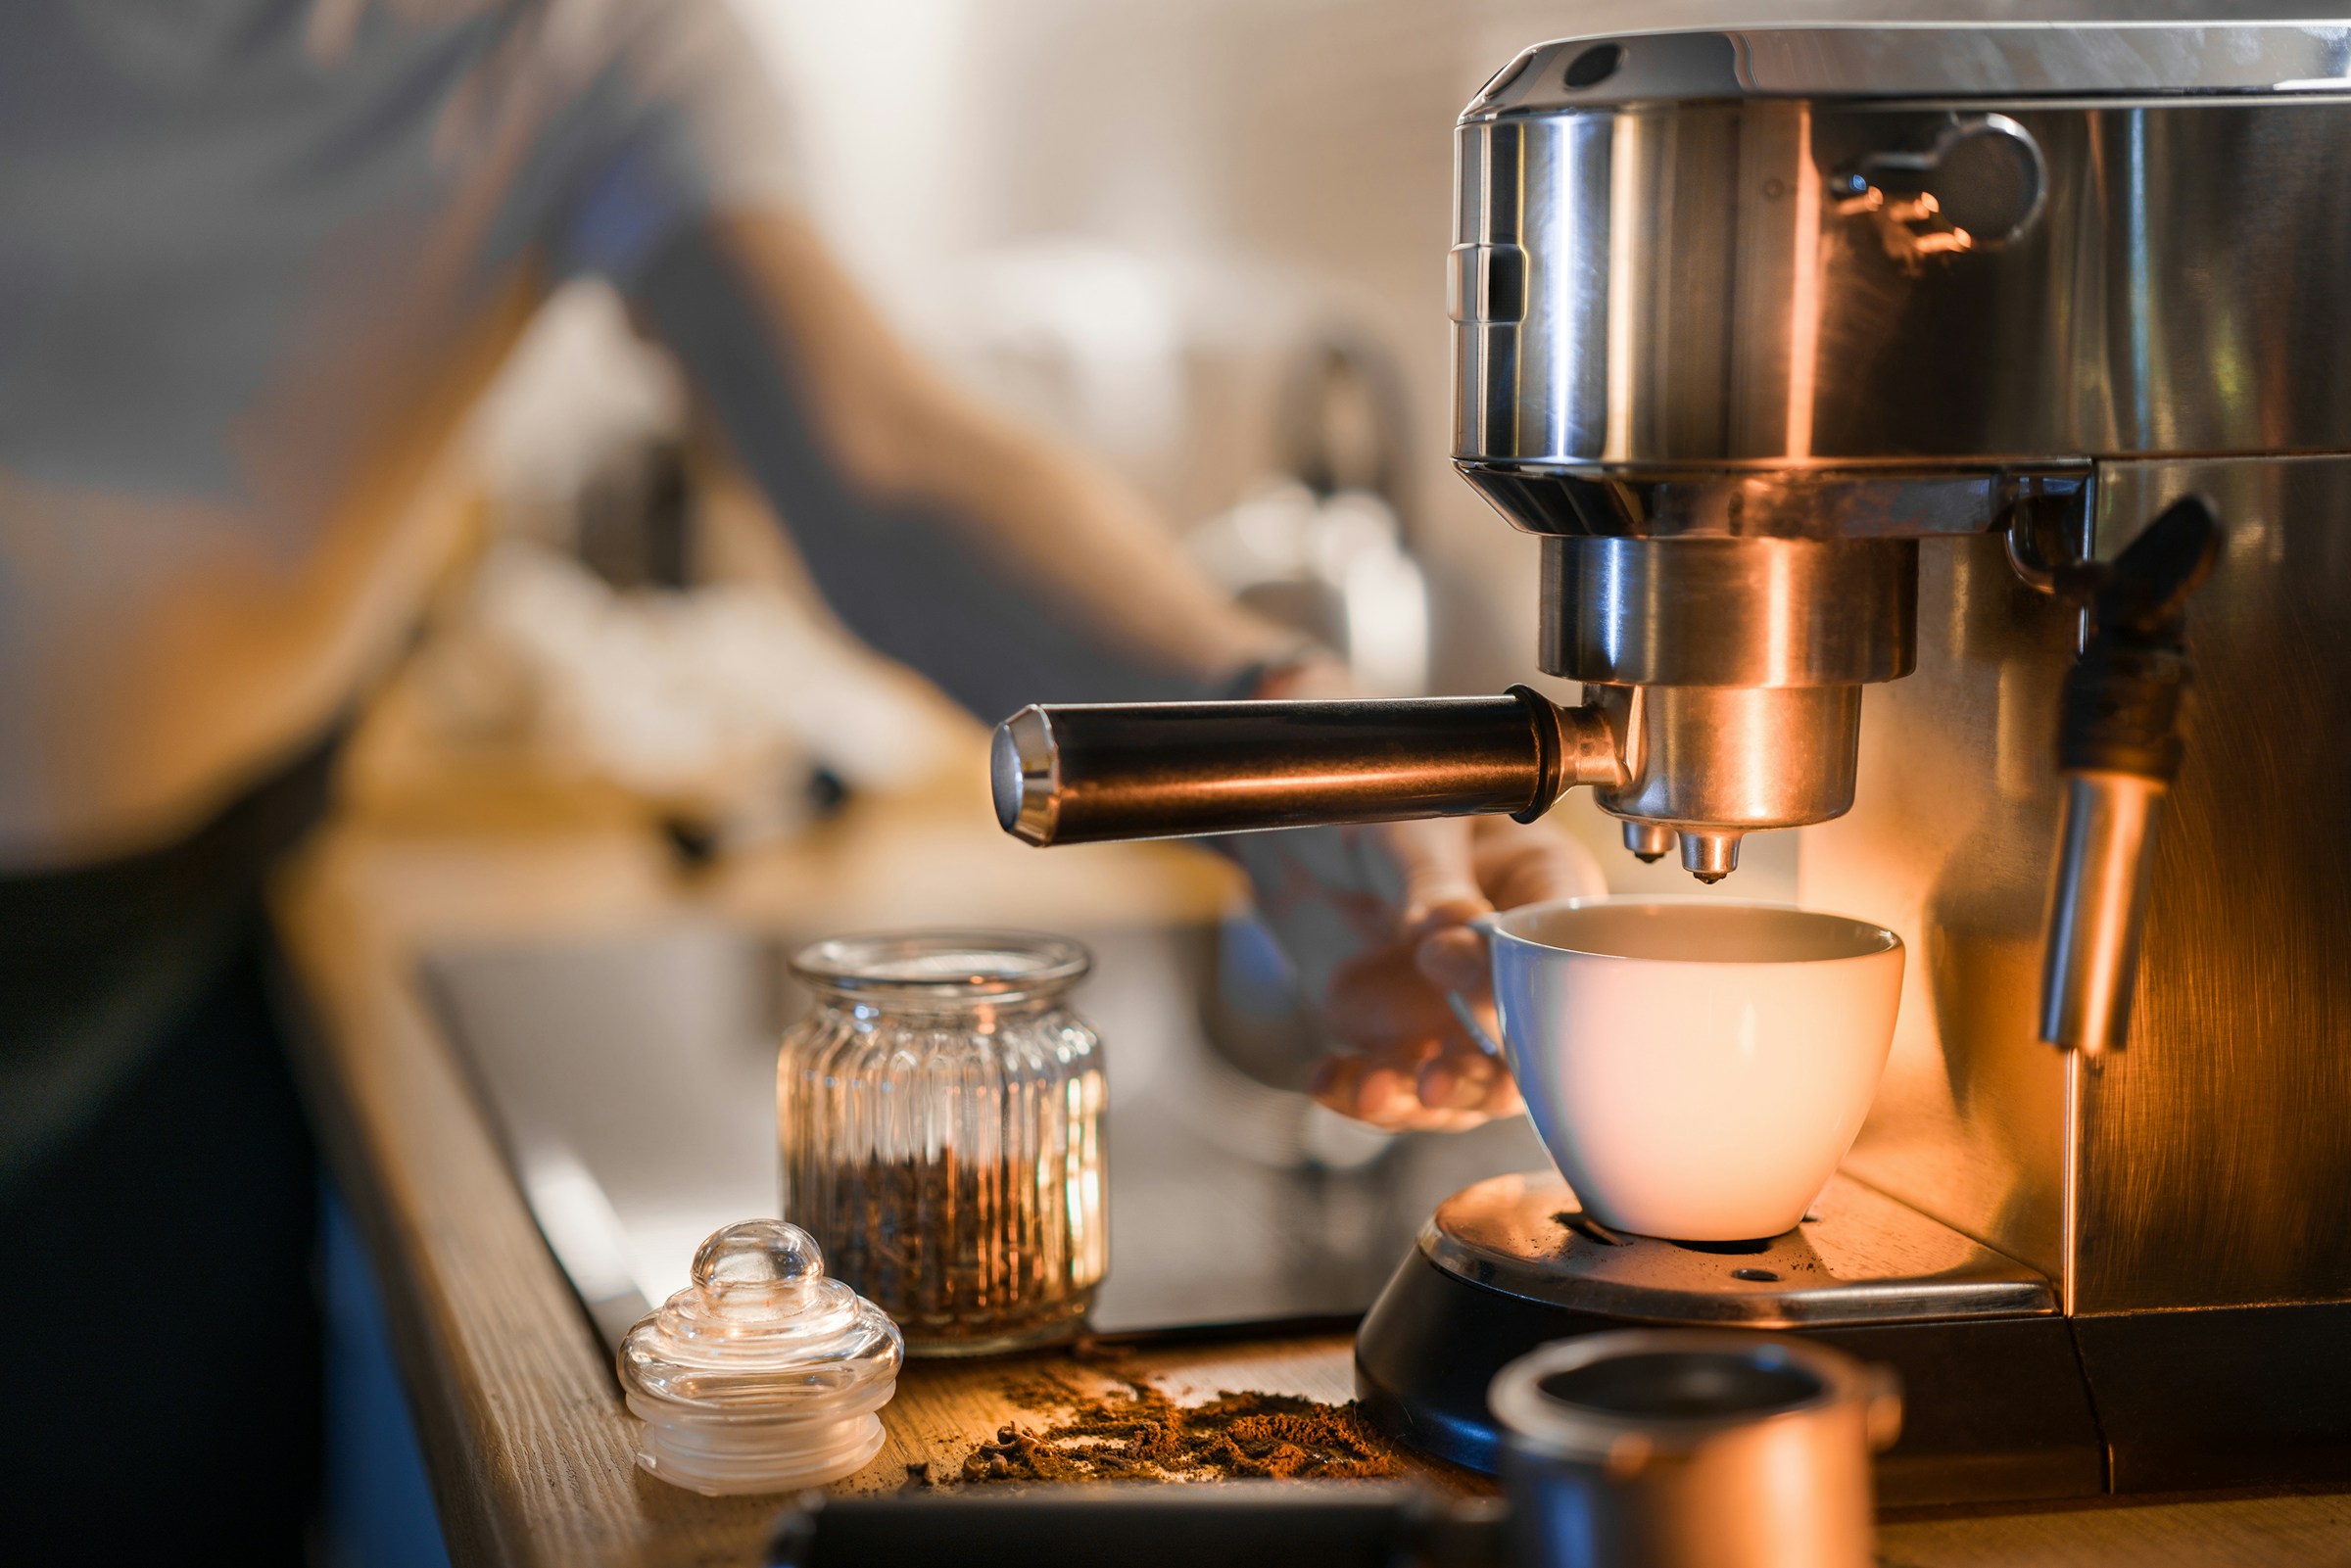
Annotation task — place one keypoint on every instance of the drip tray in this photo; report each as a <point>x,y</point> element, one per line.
<point>1858,1257</point>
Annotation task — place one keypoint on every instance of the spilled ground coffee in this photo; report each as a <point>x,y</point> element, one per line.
<point>1139,1434</point>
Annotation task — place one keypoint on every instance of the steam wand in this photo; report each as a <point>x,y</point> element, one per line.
<point>2119,749</point>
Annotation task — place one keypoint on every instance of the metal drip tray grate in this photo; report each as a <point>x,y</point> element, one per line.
<point>1859,1256</point>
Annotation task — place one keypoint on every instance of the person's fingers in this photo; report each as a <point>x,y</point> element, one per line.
<point>1401,1113</point>
<point>1431,1085</point>
<point>1415,1068</point>
<point>1512,864</point>
<point>1379,1001</point>
<point>1369,1091</point>
<point>1527,863</point>
<point>1382,1089</point>
<point>1454,959</point>
<point>1448,1084</point>
<point>1463,1078</point>
<point>1440,872</point>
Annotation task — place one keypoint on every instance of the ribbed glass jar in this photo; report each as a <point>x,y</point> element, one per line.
<point>939,1115</point>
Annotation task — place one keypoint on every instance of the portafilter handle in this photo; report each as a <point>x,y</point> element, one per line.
<point>2118,751</point>
<point>1085,772</point>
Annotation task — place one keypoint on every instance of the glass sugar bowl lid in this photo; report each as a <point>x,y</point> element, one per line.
<point>762,1375</point>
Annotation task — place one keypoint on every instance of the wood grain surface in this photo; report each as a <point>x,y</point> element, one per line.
<point>528,1445</point>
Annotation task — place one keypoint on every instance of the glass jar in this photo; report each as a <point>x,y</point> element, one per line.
<point>939,1117</point>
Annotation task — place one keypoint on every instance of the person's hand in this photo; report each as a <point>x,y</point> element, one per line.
<point>1377,921</point>
<point>1413,1065</point>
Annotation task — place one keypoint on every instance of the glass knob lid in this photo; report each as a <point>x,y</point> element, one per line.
<point>761,1326</point>
<point>758,1256</point>
<point>762,1375</point>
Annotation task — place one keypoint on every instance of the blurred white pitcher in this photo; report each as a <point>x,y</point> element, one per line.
<point>1697,1067</point>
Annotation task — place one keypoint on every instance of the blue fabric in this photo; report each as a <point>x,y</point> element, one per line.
<point>379,1505</point>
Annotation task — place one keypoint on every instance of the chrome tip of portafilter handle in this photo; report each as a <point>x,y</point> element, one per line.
<point>1020,776</point>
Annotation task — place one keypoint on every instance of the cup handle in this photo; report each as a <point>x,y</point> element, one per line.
<point>1466,1015</point>
<point>1474,1025</point>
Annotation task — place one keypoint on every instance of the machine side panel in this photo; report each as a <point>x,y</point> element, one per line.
<point>2214,1151</point>
<point>1948,843</point>
<point>2212,1156</point>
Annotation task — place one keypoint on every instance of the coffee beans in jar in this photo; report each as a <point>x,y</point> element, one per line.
<point>939,1114</point>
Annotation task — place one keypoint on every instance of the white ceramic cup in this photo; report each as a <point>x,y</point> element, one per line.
<point>1697,1067</point>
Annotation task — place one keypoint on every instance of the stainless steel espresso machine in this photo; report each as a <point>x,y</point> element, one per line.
<point>1906,415</point>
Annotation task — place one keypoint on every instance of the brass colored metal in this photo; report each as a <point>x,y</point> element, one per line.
<point>1591,752</point>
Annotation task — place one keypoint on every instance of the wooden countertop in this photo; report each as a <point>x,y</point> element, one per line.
<point>525,1436</point>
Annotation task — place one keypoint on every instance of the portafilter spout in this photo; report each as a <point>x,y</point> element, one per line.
<point>1083,773</point>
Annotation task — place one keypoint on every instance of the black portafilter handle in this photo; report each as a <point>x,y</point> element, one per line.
<point>1079,774</point>
<point>1238,1524</point>
<point>2118,750</point>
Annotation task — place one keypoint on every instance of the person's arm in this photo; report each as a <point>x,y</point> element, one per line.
<point>1006,568</point>
<point>1010,571</point>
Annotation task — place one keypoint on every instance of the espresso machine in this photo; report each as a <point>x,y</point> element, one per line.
<point>1938,443</point>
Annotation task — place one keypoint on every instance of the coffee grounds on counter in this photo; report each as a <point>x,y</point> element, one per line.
<point>1141,1435</point>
